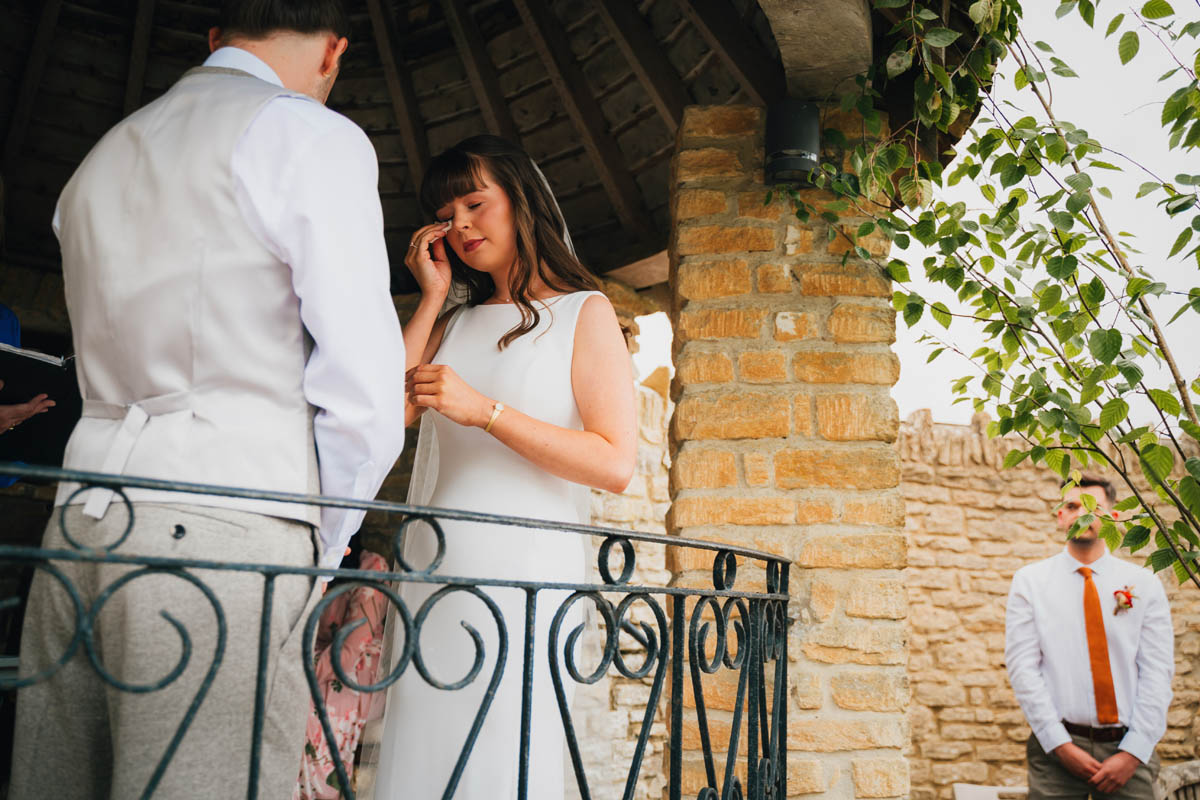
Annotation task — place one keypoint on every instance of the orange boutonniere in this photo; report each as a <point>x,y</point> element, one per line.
<point>1125,598</point>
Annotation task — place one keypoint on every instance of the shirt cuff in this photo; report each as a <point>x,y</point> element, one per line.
<point>1138,745</point>
<point>1052,736</point>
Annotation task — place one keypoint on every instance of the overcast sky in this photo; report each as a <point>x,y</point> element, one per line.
<point>1120,107</point>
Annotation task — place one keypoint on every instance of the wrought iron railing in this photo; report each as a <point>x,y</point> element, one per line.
<point>697,631</point>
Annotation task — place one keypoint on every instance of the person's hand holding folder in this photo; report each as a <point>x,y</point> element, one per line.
<point>14,414</point>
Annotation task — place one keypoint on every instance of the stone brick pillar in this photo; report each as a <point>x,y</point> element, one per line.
<point>784,439</point>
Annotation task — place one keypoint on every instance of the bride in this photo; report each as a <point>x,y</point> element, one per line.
<point>527,389</point>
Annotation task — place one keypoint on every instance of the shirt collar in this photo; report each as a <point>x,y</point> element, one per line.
<point>1072,564</point>
<point>237,58</point>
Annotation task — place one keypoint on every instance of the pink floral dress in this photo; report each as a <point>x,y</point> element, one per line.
<point>348,710</point>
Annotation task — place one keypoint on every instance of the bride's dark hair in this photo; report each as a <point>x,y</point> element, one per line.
<point>541,249</point>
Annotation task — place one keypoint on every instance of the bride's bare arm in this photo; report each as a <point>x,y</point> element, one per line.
<point>427,261</point>
<point>428,339</point>
<point>602,454</point>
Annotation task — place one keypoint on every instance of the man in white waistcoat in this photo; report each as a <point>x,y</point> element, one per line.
<point>227,282</point>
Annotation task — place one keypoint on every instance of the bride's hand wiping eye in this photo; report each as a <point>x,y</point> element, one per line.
<point>439,387</point>
<point>428,261</point>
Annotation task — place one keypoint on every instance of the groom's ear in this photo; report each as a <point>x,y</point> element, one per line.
<point>335,46</point>
<point>214,39</point>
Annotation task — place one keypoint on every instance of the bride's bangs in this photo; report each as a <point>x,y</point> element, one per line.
<point>451,175</point>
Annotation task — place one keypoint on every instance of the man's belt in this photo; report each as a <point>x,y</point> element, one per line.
<point>1107,734</point>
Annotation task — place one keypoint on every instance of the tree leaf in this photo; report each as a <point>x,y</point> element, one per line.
<point>1161,559</point>
<point>1157,9</point>
<point>1015,457</point>
<point>899,62</point>
<point>1050,297</point>
<point>1109,533</point>
<point>1193,467</point>
<point>1127,48</point>
<point>1113,413</point>
<point>1128,504</point>
<point>1189,493</point>
<point>1157,462</point>
<point>1079,181</point>
<point>940,37</point>
<point>1192,430</point>
<point>1062,220</point>
<point>940,313</point>
<point>1166,401</point>
<point>913,313</point>
<point>1112,26</point>
<point>1081,523</point>
<point>1105,345</point>
<point>1136,538</point>
<point>1185,236</point>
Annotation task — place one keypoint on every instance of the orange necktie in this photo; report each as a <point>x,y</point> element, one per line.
<point>1102,682</point>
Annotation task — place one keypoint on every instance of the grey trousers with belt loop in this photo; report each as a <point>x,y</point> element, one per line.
<point>1050,780</point>
<point>80,737</point>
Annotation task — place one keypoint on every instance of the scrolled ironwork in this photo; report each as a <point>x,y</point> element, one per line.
<point>660,637</point>
<point>724,570</point>
<point>398,542</point>
<point>11,684</point>
<point>605,554</point>
<point>88,487</point>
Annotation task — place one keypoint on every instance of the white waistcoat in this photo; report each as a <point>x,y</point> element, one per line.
<point>190,348</point>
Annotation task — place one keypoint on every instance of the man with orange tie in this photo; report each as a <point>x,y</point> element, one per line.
<point>1090,655</point>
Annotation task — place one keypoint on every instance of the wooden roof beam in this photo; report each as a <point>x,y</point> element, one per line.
<point>725,33</point>
<point>35,69</point>
<point>645,55</point>
<point>550,41</point>
<point>400,89</point>
<point>139,53</point>
<point>481,71</point>
<point>644,272</point>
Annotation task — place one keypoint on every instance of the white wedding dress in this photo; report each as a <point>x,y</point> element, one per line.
<point>425,728</point>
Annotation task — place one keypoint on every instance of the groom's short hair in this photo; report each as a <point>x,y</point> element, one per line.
<point>257,19</point>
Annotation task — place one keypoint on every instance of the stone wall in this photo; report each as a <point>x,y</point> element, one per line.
<point>970,526</point>
<point>784,440</point>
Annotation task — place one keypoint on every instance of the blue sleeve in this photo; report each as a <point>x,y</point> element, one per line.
<point>10,327</point>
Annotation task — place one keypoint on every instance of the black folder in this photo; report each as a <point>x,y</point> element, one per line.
<point>26,374</point>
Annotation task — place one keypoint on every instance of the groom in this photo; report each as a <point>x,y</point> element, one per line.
<point>227,282</point>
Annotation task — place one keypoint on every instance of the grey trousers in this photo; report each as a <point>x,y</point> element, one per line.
<point>79,737</point>
<point>1048,778</point>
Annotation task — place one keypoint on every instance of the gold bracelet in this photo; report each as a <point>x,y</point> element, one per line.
<point>497,410</point>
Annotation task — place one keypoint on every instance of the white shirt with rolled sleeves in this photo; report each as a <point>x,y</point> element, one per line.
<point>1046,650</point>
<point>306,180</point>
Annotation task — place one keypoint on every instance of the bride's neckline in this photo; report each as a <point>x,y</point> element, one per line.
<point>509,303</point>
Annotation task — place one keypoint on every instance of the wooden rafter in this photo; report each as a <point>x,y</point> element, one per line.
<point>725,33</point>
<point>480,70</point>
<point>645,56</point>
<point>139,53</point>
<point>644,272</point>
<point>35,68</point>
<point>550,41</point>
<point>400,88</point>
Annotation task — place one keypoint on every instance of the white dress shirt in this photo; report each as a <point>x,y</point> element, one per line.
<point>1046,650</point>
<point>306,180</point>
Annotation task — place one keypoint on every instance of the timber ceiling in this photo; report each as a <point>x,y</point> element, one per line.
<point>593,89</point>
